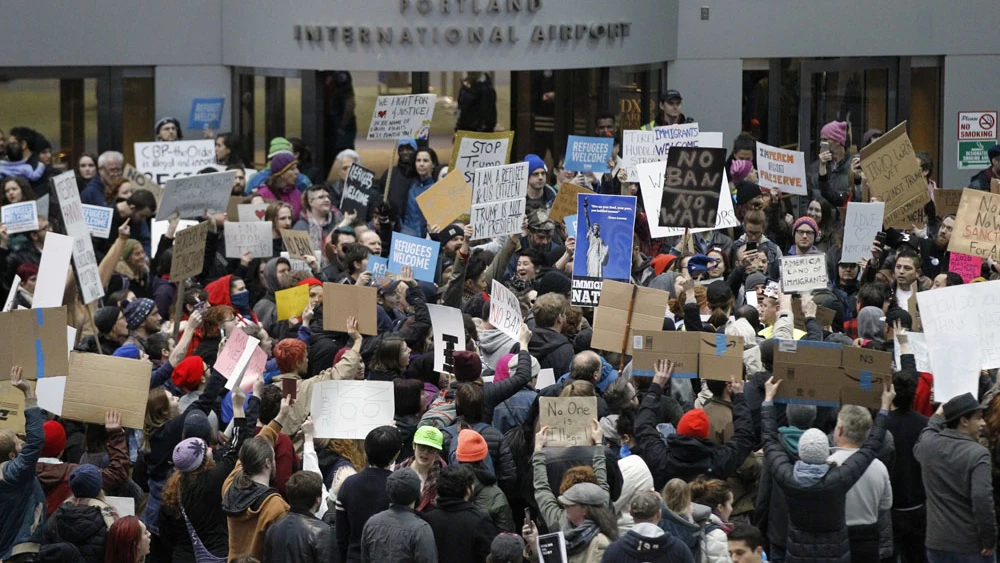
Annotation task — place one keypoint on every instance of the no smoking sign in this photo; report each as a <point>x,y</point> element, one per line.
<point>977,126</point>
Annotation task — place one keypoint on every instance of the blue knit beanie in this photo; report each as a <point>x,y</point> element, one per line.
<point>534,163</point>
<point>85,481</point>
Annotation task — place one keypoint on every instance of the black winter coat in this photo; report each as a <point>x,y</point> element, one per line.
<point>299,537</point>
<point>452,519</point>
<point>817,528</point>
<point>552,349</point>
<point>687,457</point>
<point>503,461</point>
<point>81,525</point>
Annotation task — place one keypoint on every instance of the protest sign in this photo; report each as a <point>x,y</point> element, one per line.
<point>206,113</point>
<point>196,196</point>
<point>20,217</point>
<point>379,267</point>
<point>624,308</point>
<point>804,273</point>
<point>863,222</point>
<point>640,147</point>
<point>124,506</point>
<point>396,117</point>
<point>570,222</point>
<point>417,253</point>
<point>248,237</point>
<point>588,154</point>
<point>505,311</point>
<point>827,374</point>
<point>254,370</point>
<point>498,200</point>
<point>298,244</point>
<point>34,339</point>
<point>447,200</point>
<point>651,178</point>
<point>955,363</point>
<point>8,303</point>
<point>52,271</point>
<point>946,201</point>
<point>349,410</point>
<point>546,378</point>
<point>969,267</point>
<point>824,315</point>
<point>708,356</point>
<point>473,150</point>
<point>233,208</point>
<point>970,310</point>
<point>85,261</point>
<point>568,419</point>
<point>449,336</point>
<point>97,383</point>
<point>158,229</point>
<point>343,300</point>
<point>189,252</point>
<point>603,245</point>
<point>894,176</point>
<point>51,392</point>
<point>12,408</point>
<point>691,187</point>
<point>782,169</point>
<point>552,548</point>
<point>918,347</point>
<point>235,355</point>
<point>358,191</point>
<point>141,181</point>
<point>292,301</point>
<point>250,212</point>
<point>566,202</point>
<point>162,160</point>
<point>98,220</point>
<point>977,225</point>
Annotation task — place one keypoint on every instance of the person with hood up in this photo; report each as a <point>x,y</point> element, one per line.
<point>455,516</point>
<point>636,479</point>
<point>232,291</point>
<point>84,519</point>
<point>646,542</point>
<point>275,279</point>
<point>816,492</point>
<point>248,500</point>
<point>400,175</point>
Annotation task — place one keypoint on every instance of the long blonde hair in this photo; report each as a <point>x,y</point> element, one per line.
<point>157,414</point>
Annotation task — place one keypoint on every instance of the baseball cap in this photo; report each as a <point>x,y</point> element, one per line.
<point>670,95</point>
<point>430,437</point>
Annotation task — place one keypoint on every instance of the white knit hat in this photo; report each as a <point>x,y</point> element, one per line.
<point>814,446</point>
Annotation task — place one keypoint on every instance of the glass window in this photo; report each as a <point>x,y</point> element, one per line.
<point>925,109</point>
<point>139,103</point>
<point>64,111</point>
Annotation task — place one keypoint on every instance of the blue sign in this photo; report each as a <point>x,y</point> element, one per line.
<point>604,235</point>
<point>589,154</point>
<point>417,253</point>
<point>206,112</point>
<point>570,221</point>
<point>379,267</point>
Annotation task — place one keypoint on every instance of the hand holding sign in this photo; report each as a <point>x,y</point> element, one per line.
<point>17,380</point>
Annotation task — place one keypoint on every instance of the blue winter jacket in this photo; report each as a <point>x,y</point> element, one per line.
<point>22,502</point>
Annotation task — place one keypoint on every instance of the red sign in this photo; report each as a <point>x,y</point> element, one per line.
<point>977,126</point>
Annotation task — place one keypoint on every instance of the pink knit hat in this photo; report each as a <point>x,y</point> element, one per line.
<point>503,369</point>
<point>739,169</point>
<point>836,131</point>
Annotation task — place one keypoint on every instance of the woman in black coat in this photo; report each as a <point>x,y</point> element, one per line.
<point>816,492</point>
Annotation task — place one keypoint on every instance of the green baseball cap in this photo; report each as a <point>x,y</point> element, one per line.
<point>430,437</point>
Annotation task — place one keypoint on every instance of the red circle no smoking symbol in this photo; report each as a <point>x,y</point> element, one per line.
<point>986,121</point>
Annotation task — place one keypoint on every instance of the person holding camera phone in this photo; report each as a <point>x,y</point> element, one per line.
<point>829,176</point>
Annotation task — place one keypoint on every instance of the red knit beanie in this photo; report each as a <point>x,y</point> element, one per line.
<point>55,439</point>
<point>471,446</point>
<point>187,375</point>
<point>694,423</point>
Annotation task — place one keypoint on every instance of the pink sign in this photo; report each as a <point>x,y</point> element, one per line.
<point>231,353</point>
<point>254,371</point>
<point>969,267</point>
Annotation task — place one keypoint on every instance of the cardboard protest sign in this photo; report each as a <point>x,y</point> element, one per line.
<point>162,160</point>
<point>159,228</point>
<point>651,179</point>
<point>298,244</point>
<point>447,200</point>
<point>691,187</point>
<point>20,217</point>
<point>782,169</point>
<point>955,363</point>
<point>417,253</point>
<point>396,117</point>
<point>894,176</point>
<point>603,245</point>
<point>97,383</point>
<point>566,201</point>
<point>206,113</point>
<point>977,225</point>
<point>969,267</point>
<point>34,339</point>
<point>254,238</point>
<point>189,252</point>
<point>141,181</point>
<point>292,301</point>
<point>827,374</point>
<point>863,222</point>
<point>84,259</point>
<point>505,310</point>
<point>824,315</point>
<point>589,154</point>
<point>342,300</point>
<point>358,191</point>
<point>349,410</point>
<point>247,212</point>
<point>803,273</point>
<point>914,310</point>
<point>623,309</point>
<point>695,354</point>
<point>568,419</point>
<point>946,201</point>
<point>194,196</point>
<point>233,208</point>
<point>98,220</point>
<point>498,200</point>
<point>12,408</point>
<point>473,150</point>
<point>449,336</point>
<point>52,271</point>
<point>970,310</point>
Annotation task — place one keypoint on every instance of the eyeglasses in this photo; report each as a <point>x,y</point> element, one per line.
<point>805,232</point>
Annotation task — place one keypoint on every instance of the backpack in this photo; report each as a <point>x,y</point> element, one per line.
<point>694,539</point>
<point>453,431</point>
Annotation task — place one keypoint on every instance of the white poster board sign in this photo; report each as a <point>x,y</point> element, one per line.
<point>802,274</point>
<point>918,347</point>
<point>87,275</point>
<point>781,168</point>
<point>196,196</point>
<point>449,335</point>
<point>349,410</point>
<point>969,310</point>
<point>396,117</point>
<point>252,237</point>
<point>955,360</point>
<point>505,310</point>
<point>863,222</point>
<point>52,271</point>
<point>498,200</point>
<point>163,160</point>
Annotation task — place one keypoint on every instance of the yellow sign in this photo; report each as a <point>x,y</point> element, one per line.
<point>291,301</point>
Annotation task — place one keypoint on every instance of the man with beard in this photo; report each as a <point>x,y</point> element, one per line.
<point>110,166</point>
<point>21,159</point>
<point>936,255</point>
<point>137,209</point>
<point>398,187</point>
<point>143,320</point>
<point>540,229</point>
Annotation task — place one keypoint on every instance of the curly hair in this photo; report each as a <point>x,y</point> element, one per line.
<point>180,482</point>
<point>575,475</point>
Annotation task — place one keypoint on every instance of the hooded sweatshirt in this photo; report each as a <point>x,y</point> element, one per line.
<point>493,344</point>
<point>218,294</point>
<point>635,477</point>
<point>552,349</point>
<point>647,543</point>
<point>265,308</point>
